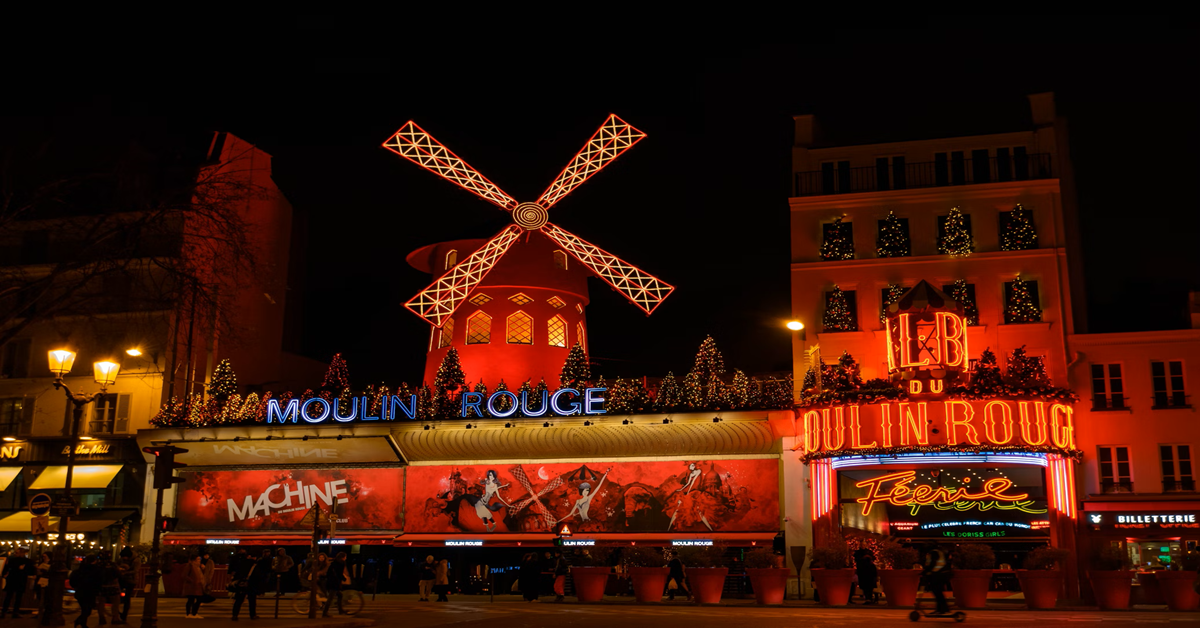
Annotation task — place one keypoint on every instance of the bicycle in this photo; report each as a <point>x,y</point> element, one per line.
<point>925,608</point>
<point>352,601</point>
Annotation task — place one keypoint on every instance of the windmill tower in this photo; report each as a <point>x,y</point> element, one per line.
<point>514,305</point>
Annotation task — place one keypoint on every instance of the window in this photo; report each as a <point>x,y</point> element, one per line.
<point>1021,303</point>
<point>556,332</point>
<point>1115,476</point>
<point>520,298</point>
<point>479,299</point>
<point>889,177</point>
<point>447,334</point>
<point>1107,389</point>
<point>888,296</point>
<point>110,414</point>
<point>1177,468</point>
<point>479,329</point>
<point>451,259</point>
<point>841,311</point>
<point>1168,384</point>
<point>579,336</point>
<point>14,362</point>
<point>941,234</point>
<point>1017,230</point>
<point>838,240</point>
<point>560,260</point>
<point>16,415</point>
<point>520,329</point>
<point>958,168</point>
<point>835,177</point>
<point>891,237</point>
<point>964,294</point>
<point>556,303</point>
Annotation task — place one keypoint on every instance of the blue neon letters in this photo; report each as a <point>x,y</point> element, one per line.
<point>563,402</point>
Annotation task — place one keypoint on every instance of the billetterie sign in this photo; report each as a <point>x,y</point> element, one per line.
<point>500,404</point>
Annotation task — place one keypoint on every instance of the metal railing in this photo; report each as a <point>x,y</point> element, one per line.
<point>1116,486</point>
<point>1109,402</point>
<point>1183,485</point>
<point>1164,400</point>
<point>927,174</point>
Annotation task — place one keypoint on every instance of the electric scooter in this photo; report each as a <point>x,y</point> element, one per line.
<point>925,607</point>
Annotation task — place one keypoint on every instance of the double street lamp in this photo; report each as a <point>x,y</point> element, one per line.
<point>105,371</point>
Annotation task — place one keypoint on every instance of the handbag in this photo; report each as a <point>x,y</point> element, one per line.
<point>672,585</point>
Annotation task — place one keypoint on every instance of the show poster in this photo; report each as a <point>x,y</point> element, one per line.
<point>366,499</point>
<point>597,497</point>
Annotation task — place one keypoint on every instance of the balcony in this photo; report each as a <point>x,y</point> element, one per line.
<point>1183,485</point>
<point>836,179</point>
<point>1169,400</point>
<point>1106,403</point>
<point>1116,486</point>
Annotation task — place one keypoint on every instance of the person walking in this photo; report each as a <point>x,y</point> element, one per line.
<point>43,580</point>
<point>86,582</point>
<point>335,578</point>
<point>561,569</point>
<point>209,567</point>
<point>527,577</point>
<point>937,574</point>
<point>128,567</point>
<point>868,574</point>
<point>244,581</point>
<point>110,592</point>
<point>675,574</point>
<point>17,570</point>
<point>425,581</point>
<point>193,587</point>
<point>281,565</point>
<point>441,580</point>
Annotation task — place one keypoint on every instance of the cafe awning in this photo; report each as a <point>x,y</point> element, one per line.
<point>7,475</point>
<point>94,521</point>
<point>20,522</point>
<point>85,476</point>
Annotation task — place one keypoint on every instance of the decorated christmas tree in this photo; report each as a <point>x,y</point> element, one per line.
<point>447,384</point>
<point>1020,306</point>
<point>525,389</point>
<point>223,383</point>
<point>838,244</point>
<point>1026,371</point>
<point>961,294</point>
<point>504,403</point>
<point>891,294</point>
<point>482,389</point>
<point>754,398</point>
<point>844,374</point>
<point>779,394</point>
<point>956,237</point>
<point>535,397</point>
<point>617,401</point>
<point>576,373</point>
<point>739,391</point>
<point>1019,233</point>
<point>424,403</point>
<point>986,376</point>
<point>708,367</point>
<point>837,313</point>
<point>338,376</point>
<point>693,392</point>
<point>893,238</point>
<point>810,379</point>
<point>638,398</point>
<point>667,399</point>
<point>404,392</point>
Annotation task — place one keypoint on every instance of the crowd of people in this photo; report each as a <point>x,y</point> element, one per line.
<point>100,584</point>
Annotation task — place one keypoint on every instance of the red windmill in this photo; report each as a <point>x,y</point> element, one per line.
<point>533,291</point>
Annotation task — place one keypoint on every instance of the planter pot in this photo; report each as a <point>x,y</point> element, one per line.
<point>707,583</point>
<point>1177,590</point>
<point>590,582</point>
<point>900,586</point>
<point>970,587</point>
<point>1040,587</point>
<point>648,583</point>
<point>1112,588</point>
<point>770,583</point>
<point>172,583</point>
<point>834,585</point>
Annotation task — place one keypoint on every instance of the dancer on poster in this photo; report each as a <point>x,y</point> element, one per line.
<point>585,499</point>
<point>693,501</point>
<point>484,509</point>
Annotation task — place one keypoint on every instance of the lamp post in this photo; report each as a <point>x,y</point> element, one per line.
<point>61,361</point>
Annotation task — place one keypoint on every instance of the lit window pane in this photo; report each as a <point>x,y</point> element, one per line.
<point>520,329</point>
<point>556,332</point>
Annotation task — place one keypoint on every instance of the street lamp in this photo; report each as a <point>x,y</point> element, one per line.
<point>105,372</point>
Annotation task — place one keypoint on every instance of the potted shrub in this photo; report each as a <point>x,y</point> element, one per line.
<point>829,568</point>
<point>590,573</point>
<point>1041,579</point>
<point>1176,585</point>
<point>648,570</point>
<point>973,564</point>
<point>768,579</point>
<point>705,575</point>
<point>898,577</point>
<point>1112,581</point>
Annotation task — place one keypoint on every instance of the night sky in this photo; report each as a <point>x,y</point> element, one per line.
<point>701,202</point>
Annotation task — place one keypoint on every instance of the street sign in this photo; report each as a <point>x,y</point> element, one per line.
<point>65,505</point>
<point>40,524</point>
<point>310,518</point>
<point>39,505</point>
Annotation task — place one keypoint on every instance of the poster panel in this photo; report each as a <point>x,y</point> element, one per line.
<point>597,497</point>
<point>367,499</point>
<point>317,451</point>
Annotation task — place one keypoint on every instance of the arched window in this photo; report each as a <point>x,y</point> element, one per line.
<point>451,258</point>
<point>447,333</point>
<point>580,337</point>
<point>479,329</point>
<point>556,332</point>
<point>520,329</point>
<point>560,260</point>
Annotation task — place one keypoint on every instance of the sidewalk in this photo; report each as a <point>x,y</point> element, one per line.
<point>217,615</point>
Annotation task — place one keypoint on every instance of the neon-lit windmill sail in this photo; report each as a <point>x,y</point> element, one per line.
<point>643,290</point>
<point>414,144</point>
<point>438,301</point>
<point>613,137</point>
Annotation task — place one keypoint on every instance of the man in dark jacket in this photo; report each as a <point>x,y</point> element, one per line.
<point>17,570</point>
<point>333,583</point>
<point>246,577</point>
<point>86,583</point>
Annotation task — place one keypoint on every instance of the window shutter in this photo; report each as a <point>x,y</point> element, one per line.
<point>24,348</point>
<point>27,405</point>
<point>121,425</point>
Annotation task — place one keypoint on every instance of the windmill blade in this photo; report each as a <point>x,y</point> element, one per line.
<point>614,137</point>
<point>437,302</point>
<point>645,291</point>
<point>414,144</point>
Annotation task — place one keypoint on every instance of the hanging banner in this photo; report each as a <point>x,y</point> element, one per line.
<point>597,497</point>
<point>367,499</point>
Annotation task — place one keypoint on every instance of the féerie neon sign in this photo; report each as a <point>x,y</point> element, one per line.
<point>562,402</point>
<point>991,495</point>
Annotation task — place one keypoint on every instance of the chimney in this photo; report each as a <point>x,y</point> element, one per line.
<point>804,130</point>
<point>1194,308</point>
<point>1042,107</point>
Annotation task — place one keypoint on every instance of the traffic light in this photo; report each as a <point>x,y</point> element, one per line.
<point>167,524</point>
<point>165,465</point>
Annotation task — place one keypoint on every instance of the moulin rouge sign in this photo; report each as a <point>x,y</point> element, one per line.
<point>500,404</point>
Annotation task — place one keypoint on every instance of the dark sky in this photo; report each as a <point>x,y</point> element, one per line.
<point>702,202</point>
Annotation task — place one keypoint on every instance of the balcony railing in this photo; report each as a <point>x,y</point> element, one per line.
<point>1109,402</point>
<point>1164,400</point>
<point>928,174</point>
<point>1183,485</point>
<point>1116,486</point>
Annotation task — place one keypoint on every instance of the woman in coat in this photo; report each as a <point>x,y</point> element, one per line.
<point>193,587</point>
<point>868,574</point>
<point>441,580</point>
<point>527,577</point>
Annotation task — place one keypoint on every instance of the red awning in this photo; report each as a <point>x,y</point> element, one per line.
<point>275,539</point>
<point>649,538</point>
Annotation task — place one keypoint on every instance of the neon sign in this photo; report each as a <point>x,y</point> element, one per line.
<point>991,495</point>
<point>563,402</point>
